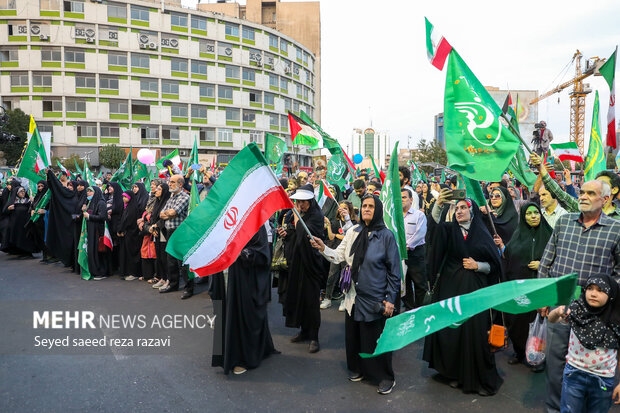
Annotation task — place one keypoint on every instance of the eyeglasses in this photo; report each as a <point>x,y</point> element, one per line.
<point>495,196</point>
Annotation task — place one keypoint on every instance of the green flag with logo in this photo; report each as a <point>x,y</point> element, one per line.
<point>337,170</point>
<point>83,252</point>
<point>124,174</point>
<point>194,200</point>
<point>274,151</point>
<point>596,161</point>
<point>478,145</point>
<point>393,210</point>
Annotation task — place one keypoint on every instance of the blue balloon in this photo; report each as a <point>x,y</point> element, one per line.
<point>357,158</point>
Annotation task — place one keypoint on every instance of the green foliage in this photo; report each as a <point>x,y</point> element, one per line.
<point>111,156</point>
<point>17,125</point>
<point>69,162</point>
<point>427,152</point>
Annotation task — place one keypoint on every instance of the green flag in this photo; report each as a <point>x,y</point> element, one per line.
<point>140,171</point>
<point>477,144</point>
<point>474,191</point>
<point>124,174</point>
<point>393,209</point>
<point>78,170</point>
<point>521,170</point>
<point>274,151</point>
<point>337,170</point>
<point>194,200</point>
<point>88,175</point>
<point>443,176</point>
<point>595,162</point>
<point>83,252</point>
<point>514,297</point>
<point>34,160</point>
<point>193,159</point>
<point>328,141</point>
<point>45,199</point>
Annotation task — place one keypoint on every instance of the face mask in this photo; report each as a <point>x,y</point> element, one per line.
<point>89,197</point>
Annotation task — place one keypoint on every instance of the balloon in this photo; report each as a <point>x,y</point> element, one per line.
<point>146,156</point>
<point>357,158</point>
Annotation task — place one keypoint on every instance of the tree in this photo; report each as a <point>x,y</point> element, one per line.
<point>69,162</point>
<point>427,152</point>
<point>111,156</point>
<point>16,126</point>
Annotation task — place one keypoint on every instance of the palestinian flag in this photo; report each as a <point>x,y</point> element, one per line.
<point>608,70</point>
<point>437,47</point>
<point>34,159</point>
<point>65,170</point>
<point>379,174</point>
<point>107,238</point>
<point>301,132</point>
<point>324,196</point>
<point>241,200</point>
<point>567,151</point>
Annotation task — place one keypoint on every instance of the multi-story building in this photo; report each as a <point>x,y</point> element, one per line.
<point>149,73</point>
<point>369,142</point>
<point>438,130</point>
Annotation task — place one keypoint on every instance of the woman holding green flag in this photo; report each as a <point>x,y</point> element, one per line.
<point>95,212</point>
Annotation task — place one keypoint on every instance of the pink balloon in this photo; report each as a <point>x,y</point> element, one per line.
<point>146,156</point>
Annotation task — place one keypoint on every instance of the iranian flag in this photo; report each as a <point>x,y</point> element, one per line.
<point>301,132</point>
<point>34,159</point>
<point>324,196</point>
<point>107,238</point>
<point>174,157</point>
<point>437,47</point>
<point>567,151</point>
<point>608,70</point>
<point>241,200</point>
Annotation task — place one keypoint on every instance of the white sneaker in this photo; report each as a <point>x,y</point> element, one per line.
<point>326,303</point>
<point>99,278</point>
<point>130,278</point>
<point>164,286</point>
<point>158,284</point>
<point>341,307</point>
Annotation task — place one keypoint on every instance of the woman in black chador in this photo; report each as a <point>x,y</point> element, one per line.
<point>18,240</point>
<point>59,238</point>
<point>130,241</point>
<point>36,230</point>
<point>95,212</point>
<point>467,259</point>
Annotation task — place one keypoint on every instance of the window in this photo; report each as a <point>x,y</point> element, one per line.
<point>224,135</point>
<point>74,56</point>
<point>110,130</point>
<point>273,41</point>
<point>305,58</point>
<point>248,33</point>
<point>8,55</point>
<point>119,106</point>
<point>178,111</point>
<point>75,105</point>
<point>177,19</point>
<point>305,93</point>
<point>140,60</point>
<point>273,80</point>
<point>149,132</point>
<point>232,30</point>
<point>255,55</point>
<point>148,85</point>
<point>224,49</point>
<point>207,91</point>
<point>206,46</point>
<point>178,65</point>
<point>232,115</point>
<point>170,133</point>
<point>199,23</point>
<point>52,105</point>
<point>269,99</point>
<point>117,11</point>
<point>51,54</point>
<point>274,120</point>
<point>232,72</point>
<point>249,75</point>
<point>48,5</point>
<point>74,6</point>
<point>199,111</point>
<point>42,79</point>
<point>199,68</point>
<point>170,87</point>
<point>287,104</point>
<point>108,83</point>
<point>7,4</point>
<point>139,13</point>
<point>283,121</point>
<point>207,135</point>
<point>225,92</point>
<point>255,96</point>
<point>295,106</point>
<point>45,127</point>
<point>249,116</point>
<point>298,88</point>
<point>299,54</point>
<point>85,81</point>
<point>283,83</point>
<point>87,130</point>
<point>140,108</point>
<point>117,59</point>
<point>19,79</point>
<point>256,136</point>
<point>284,45</point>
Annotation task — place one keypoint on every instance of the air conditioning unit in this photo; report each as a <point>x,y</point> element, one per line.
<point>143,46</point>
<point>90,40</point>
<point>44,37</point>
<point>287,70</point>
<point>153,46</point>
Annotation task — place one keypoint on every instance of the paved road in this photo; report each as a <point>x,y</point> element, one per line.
<point>291,381</point>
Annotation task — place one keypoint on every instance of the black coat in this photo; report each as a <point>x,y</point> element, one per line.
<point>59,239</point>
<point>98,263</point>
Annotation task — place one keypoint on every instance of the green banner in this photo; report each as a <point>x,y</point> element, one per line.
<point>83,252</point>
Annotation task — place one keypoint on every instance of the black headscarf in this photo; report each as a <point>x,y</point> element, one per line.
<point>117,198</point>
<point>597,326</point>
<point>507,218</point>
<point>141,197</point>
<point>97,196</point>
<point>81,195</point>
<point>40,193</point>
<point>360,245</point>
<point>160,202</point>
<point>527,244</point>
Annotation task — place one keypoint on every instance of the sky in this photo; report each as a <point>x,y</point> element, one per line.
<point>375,68</point>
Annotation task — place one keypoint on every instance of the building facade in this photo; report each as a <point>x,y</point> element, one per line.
<point>151,74</point>
<point>528,114</point>
<point>438,129</point>
<point>370,142</point>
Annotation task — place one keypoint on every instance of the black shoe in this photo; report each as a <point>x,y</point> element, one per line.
<point>168,289</point>
<point>538,369</point>
<point>314,347</point>
<point>386,386</point>
<point>484,393</point>
<point>355,376</point>
<point>186,295</point>
<point>299,338</point>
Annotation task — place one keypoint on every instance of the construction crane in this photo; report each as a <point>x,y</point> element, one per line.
<point>577,96</point>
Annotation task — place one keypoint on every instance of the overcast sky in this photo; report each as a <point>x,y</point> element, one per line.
<point>374,63</point>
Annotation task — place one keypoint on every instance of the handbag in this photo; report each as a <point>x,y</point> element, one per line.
<point>345,279</point>
<point>101,247</point>
<point>278,262</point>
<point>428,296</point>
<point>147,250</point>
<point>498,335</point>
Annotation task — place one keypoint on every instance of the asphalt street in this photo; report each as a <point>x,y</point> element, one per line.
<point>293,381</point>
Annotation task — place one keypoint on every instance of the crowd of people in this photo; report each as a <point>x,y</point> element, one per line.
<point>454,247</point>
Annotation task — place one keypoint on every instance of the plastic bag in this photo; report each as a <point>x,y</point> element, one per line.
<point>536,341</point>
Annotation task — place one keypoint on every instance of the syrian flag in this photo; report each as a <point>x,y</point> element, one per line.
<point>567,151</point>
<point>437,47</point>
<point>301,132</point>
<point>324,196</point>
<point>608,70</point>
<point>107,238</point>
<point>241,200</point>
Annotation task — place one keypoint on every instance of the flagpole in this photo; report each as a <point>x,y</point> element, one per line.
<point>514,131</point>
